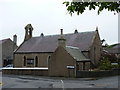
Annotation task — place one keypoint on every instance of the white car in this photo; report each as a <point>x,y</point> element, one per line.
<point>9,66</point>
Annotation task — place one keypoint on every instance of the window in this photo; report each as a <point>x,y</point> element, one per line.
<point>36,61</point>
<point>24,61</point>
<point>94,55</point>
<point>48,58</point>
<point>30,61</point>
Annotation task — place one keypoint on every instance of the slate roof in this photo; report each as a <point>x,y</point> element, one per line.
<point>115,49</point>
<point>49,43</point>
<point>4,40</point>
<point>76,53</point>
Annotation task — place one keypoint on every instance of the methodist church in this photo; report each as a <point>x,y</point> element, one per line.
<point>77,50</point>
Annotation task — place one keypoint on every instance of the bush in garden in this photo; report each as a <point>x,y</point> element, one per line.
<point>105,64</point>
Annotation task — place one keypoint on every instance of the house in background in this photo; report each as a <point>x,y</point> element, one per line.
<point>115,49</point>
<point>81,50</point>
<point>8,47</point>
<point>112,52</point>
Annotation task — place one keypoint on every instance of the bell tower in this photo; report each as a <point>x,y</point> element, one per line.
<point>28,32</point>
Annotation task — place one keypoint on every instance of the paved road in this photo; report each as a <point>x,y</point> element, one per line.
<point>15,81</point>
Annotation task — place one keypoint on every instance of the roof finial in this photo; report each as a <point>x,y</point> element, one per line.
<point>42,34</point>
<point>97,28</point>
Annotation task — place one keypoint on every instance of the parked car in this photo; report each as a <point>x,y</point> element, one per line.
<point>0,68</point>
<point>9,66</point>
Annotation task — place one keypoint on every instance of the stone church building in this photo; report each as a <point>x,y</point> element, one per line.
<point>60,53</point>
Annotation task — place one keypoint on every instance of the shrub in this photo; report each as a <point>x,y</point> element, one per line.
<point>114,66</point>
<point>105,64</point>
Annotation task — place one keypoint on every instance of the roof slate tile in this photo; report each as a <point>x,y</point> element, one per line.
<point>49,43</point>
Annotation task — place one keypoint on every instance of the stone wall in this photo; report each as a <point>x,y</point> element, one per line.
<point>87,74</point>
<point>36,72</point>
<point>58,63</point>
<point>95,50</point>
<point>7,52</point>
<point>44,72</point>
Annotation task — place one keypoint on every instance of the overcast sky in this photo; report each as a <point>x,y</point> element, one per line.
<point>49,16</point>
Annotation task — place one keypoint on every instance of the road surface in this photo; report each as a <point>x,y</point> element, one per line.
<point>19,81</point>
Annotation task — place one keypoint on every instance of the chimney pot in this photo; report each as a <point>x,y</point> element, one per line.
<point>61,31</point>
<point>42,34</point>
<point>76,31</point>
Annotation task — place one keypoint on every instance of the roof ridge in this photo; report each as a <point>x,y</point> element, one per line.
<point>5,39</point>
<point>66,34</point>
<point>48,43</point>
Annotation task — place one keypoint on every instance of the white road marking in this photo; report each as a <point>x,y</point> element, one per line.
<point>62,84</point>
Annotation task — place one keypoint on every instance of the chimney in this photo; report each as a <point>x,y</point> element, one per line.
<point>14,42</point>
<point>61,32</point>
<point>28,31</point>
<point>62,40</point>
<point>15,39</point>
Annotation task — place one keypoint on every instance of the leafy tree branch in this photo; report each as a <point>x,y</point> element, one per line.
<point>80,7</point>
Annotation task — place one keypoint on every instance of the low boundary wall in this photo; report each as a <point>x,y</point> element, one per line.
<point>87,74</point>
<point>26,71</point>
<point>44,72</point>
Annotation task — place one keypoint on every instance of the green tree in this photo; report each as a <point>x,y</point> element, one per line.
<point>80,7</point>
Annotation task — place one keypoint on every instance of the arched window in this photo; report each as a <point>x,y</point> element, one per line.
<point>24,61</point>
<point>48,58</point>
<point>94,55</point>
<point>36,61</point>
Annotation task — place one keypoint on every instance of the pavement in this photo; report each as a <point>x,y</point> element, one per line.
<point>20,81</point>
